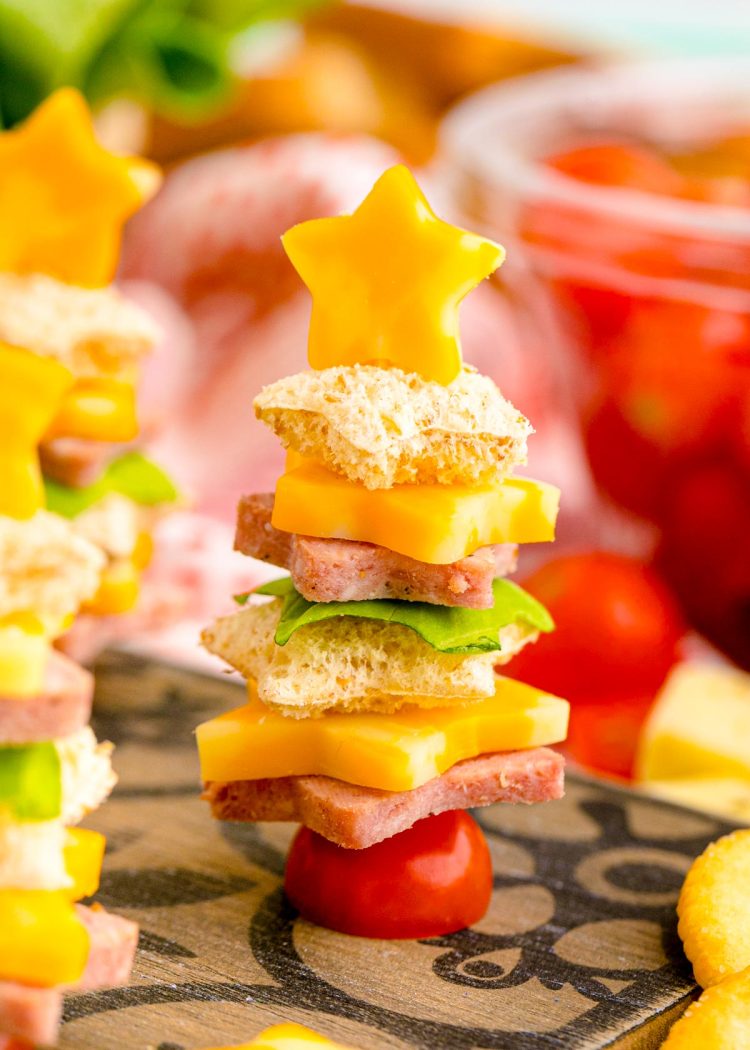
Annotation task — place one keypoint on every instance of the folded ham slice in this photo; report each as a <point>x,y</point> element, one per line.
<point>327,570</point>
<point>62,708</point>
<point>33,1014</point>
<point>356,817</point>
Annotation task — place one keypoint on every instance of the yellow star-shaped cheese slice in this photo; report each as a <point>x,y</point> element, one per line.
<point>63,197</point>
<point>387,281</point>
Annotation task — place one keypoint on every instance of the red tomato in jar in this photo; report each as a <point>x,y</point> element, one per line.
<point>432,879</point>
<point>624,464</point>
<point>620,164</point>
<point>600,313</point>
<point>705,553</point>
<point>677,372</point>
<point>742,435</point>
<point>670,392</point>
<point>617,633</point>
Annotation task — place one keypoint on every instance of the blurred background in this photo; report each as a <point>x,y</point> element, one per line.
<point>608,147</point>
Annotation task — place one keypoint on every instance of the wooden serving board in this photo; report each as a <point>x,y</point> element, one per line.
<point>579,948</point>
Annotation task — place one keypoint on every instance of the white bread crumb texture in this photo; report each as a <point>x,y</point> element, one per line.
<point>87,774</point>
<point>353,664</point>
<point>31,852</point>
<point>31,855</point>
<point>382,426</point>
<point>112,524</point>
<point>45,567</point>
<point>92,331</point>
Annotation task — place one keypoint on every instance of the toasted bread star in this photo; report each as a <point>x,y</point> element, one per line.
<point>387,281</point>
<point>63,197</point>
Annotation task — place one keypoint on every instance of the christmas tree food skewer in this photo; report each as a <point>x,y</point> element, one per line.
<point>375,715</point>
<point>69,346</point>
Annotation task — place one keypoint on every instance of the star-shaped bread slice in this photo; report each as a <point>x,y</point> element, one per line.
<point>387,281</point>
<point>64,198</point>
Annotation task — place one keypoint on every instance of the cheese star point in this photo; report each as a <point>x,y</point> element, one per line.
<point>387,280</point>
<point>64,198</point>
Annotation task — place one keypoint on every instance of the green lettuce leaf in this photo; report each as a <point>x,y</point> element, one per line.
<point>130,475</point>
<point>31,781</point>
<point>446,629</point>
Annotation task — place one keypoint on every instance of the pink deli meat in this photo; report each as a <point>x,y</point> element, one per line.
<point>63,708</point>
<point>356,817</point>
<point>113,944</point>
<point>30,1013</point>
<point>34,1014</point>
<point>326,570</point>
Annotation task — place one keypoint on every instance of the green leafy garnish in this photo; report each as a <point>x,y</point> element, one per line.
<point>446,629</point>
<point>130,475</point>
<point>31,781</point>
<point>175,57</point>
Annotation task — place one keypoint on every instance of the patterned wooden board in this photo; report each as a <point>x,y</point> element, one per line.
<point>579,948</point>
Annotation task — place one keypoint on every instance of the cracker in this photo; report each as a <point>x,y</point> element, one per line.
<point>719,1020</point>
<point>714,910</point>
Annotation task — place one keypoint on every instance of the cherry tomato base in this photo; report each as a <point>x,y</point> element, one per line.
<point>435,878</point>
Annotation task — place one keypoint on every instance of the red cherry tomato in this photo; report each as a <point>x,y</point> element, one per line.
<point>705,553</point>
<point>623,463</point>
<point>432,879</point>
<point>681,402</point>
<point>742,435</point>
<point>618,628</point>
<point>658,409</point>
<point>620,164</point>
<point>604,737</point>
<point>599,312</point>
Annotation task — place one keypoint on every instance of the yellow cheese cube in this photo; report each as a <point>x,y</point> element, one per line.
<point>31,391</point>
<point>143,551</point>
<point>287,1037</point>
<point>393,752</point>
<point>119,588</point>
<point>42,940</point>
<point>699,726</point>
<point>437,524</point>
<point>24,650</point>
<point>83,853</point>
<point>98,410</point>
<point>725,797</point>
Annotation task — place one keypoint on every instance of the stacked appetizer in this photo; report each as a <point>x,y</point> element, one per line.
<point>67,346</point>
<point>57,300</point>
<point>375,714</point>
<point>52,772</point>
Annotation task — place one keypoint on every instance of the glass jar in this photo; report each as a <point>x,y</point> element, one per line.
<point>649,297</point>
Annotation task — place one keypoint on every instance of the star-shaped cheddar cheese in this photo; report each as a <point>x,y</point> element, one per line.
<point>387,281</point>
<point>63,197</point>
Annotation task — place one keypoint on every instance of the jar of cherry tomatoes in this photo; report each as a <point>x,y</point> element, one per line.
<point>625,190</point>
